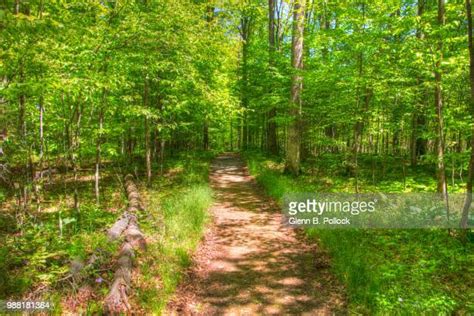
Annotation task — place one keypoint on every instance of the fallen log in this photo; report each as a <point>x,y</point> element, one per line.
<point>119,226</point>
<point>117,301</point>
<point>134,200</point>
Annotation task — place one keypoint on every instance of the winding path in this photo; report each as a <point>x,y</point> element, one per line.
<point>249,263</point>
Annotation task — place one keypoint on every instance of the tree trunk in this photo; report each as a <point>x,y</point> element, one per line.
<point>74,154</point>
<point>417,143</point>
<point>359,125</point>
<point>22,129</point>
<point>205,140</point>
<point>231,135</point>
<point>147,151</point>
<point>470,175</point>
<point>98,151</point>
<point>441,172</point>
<point>41,133</point>
<point>245,30</point>
<point>162,155</point>
<point>272,143</point>
<point>146,93</point>
<point>3,131</point>
<point>205,130</point>
<point>38,179</point>
<point>294,129</point>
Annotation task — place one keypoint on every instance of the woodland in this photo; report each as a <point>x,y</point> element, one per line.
<point>113,111</point>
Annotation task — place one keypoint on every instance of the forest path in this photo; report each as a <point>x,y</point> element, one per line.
<point>249,263</point>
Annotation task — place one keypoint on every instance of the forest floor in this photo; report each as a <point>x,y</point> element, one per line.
<point>249,262</point>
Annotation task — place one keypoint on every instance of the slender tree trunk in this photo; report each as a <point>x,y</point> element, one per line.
<point>38,176</point>
<point>294,129</point>
<point>162,155</point>
<point>205,130</point>
<point>98,151</point>
<point>441,170</point>
<point>358,125</point>
<point>231,135</point>
<point>245,30</point>
<point>272,143</point>
<point>414,132</point>
<point>205,140</point>
<point>147,151</point>
<point>4,131</point>
<point>470,175</point>
<point>66,143</point>
<point>417,144</point>
<point>74,154</point>
<point>22,131</point>
<point>243,128</point>
<point>41,133</point>
<point>146,94</point>
<point>239,133</point>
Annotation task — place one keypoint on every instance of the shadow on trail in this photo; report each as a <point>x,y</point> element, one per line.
<point>249,263</point>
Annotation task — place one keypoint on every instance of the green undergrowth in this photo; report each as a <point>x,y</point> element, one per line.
<point>385,271</point>
<point>40,247</point>
<point>177,206</point>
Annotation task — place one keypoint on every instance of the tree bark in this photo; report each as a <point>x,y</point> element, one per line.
<point>148,151</point>
<point>271,115</point>
<point>74,154</point>
<point>205,140</point>
<point>205,129</point>
<point>162,154</point>
<point>3,131</point>
<point>98,149</point>
<point>359,125</point>
<point>22,131</point>
<point>470,175</point>
<point>417,143</point>
<point>41,132</point>
<point>146,94</point>
<point>295,109</point>
<point>245,30</point>
<point>441,172</point>
<point>231,135</point>
<point>38,180</point>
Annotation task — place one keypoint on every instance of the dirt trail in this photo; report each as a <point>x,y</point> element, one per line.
<point>249,263</point>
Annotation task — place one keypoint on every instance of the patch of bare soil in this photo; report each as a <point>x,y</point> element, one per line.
<point>249,262</point>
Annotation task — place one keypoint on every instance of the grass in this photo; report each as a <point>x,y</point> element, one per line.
<point>178,204</point>
<point>385,271</point>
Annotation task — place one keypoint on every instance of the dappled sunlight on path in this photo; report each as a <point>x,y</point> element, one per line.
<point>249,263</point>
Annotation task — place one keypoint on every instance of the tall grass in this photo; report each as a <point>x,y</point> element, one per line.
<point>179,206</point>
